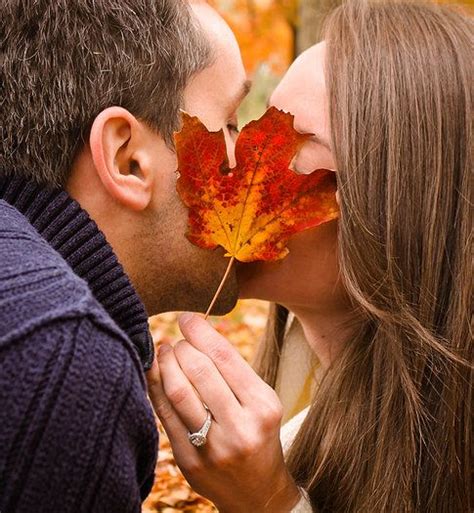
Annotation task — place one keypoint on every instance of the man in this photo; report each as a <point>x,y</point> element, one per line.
<point>92,234</point>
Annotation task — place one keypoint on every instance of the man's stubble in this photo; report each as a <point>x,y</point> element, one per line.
<point>171,274</point>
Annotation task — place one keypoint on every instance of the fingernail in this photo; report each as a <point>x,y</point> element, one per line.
<point>185,317</point>
<point>164,348</point>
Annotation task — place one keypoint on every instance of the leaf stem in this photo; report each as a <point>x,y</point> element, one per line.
<point>221,286</point>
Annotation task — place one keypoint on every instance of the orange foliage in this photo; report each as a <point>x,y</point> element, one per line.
<point>264,29</point>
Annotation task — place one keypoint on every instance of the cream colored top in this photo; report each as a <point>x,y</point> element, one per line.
<point>296,382</point>
<point>287,435</point>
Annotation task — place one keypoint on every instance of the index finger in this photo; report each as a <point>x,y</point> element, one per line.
<point>238,374</point>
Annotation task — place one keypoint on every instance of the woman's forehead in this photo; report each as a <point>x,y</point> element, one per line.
<point>302,90</point>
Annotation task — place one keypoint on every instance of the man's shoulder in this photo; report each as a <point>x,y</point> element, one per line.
<point>37,285</point>
<point>44,305</point>
<point>21,247</point>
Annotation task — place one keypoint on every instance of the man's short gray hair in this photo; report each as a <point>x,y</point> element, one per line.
<point>65,61</point>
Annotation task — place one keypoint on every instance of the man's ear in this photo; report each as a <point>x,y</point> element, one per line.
<point>120,151</point>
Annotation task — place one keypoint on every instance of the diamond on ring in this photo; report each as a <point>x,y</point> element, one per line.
<point>200,437</point>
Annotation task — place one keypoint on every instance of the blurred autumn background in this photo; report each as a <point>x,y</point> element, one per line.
<point>271,33</point>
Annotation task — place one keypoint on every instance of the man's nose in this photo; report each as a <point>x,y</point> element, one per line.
<point>230,146</point>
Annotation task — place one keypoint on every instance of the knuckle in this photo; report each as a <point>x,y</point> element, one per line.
<point>199,371</point>
<point>245,444</point>
<point>271,415</point>
<point>163,410</point>
<point>177,395</point>
<point>271,395</point>
<point>272,418</point>
<point>222,459</point>
<point>220,354</point>
<point>276,412</point>
<point>249,447</point>
<point>191,467</point>
<point>182,343</point>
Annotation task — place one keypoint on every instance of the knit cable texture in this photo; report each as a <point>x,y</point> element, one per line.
<point>77,432</point>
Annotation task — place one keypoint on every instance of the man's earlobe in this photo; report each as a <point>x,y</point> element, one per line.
<point>120,159</point>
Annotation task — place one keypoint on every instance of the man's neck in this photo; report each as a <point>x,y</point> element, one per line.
<point>69,229</point>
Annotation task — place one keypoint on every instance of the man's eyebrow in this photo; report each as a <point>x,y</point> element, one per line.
<point>246,87</point>
<point>244,91</point>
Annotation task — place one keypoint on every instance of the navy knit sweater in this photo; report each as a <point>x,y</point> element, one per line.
<point>77,433</point>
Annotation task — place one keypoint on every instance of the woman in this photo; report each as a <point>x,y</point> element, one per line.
<point>380,298</point>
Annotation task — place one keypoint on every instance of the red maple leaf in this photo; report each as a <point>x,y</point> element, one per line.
<point>252,209</point>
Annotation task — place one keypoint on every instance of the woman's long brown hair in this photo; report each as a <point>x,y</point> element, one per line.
<point>390,428</point>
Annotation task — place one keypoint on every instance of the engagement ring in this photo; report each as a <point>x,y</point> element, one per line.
<point>200,437</point>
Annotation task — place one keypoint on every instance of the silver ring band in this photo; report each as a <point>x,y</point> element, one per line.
<point>200,437</point>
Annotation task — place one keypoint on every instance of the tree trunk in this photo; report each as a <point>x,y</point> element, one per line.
<point>312,14</point>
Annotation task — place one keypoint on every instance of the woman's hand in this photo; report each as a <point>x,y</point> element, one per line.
<point>241,468</point>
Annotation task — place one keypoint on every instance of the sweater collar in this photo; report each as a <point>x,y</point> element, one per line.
<point>67,227</point>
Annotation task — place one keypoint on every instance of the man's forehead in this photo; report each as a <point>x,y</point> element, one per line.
<point>223,84</point>
<point>216,29</point>
<point>208,17</point>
